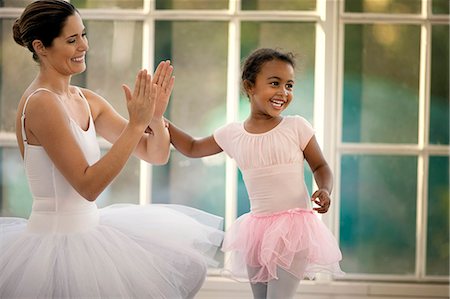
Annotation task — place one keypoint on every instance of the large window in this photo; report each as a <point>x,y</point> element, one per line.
<point>372,77</point>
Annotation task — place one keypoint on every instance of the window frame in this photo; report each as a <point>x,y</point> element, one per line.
<point>422,150</point>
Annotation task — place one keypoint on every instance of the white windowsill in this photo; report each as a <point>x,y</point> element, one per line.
<point>219,287</point>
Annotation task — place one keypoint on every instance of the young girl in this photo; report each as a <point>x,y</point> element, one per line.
<point>281,240</point>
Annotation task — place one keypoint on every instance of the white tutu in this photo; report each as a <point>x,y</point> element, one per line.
<point>122,251</point>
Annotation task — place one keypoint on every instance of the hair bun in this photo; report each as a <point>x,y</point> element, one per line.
<point>17,34</point>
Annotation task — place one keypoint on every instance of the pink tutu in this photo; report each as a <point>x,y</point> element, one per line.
<point>263,242</point>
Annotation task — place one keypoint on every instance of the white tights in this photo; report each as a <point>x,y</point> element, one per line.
<point>283,287</point>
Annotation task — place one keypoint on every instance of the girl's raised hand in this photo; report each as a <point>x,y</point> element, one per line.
<point>322,198</point>
<point>141,102</point>
<point>164,79</point>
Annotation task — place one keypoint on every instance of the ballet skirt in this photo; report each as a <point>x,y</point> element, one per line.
<point>282,229</point>
<point>69,248</point>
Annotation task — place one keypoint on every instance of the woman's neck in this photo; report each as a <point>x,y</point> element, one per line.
<point>58,84</point>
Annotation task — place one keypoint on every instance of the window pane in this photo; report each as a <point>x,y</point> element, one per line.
<point>438,222</point>
<point>378,214</point>
<point>15,197</point>
<point>124,4</point>
<point>278,4</point>
<point>15,3</point>
<point>198,51</point>
<point>440,6</point>
<point>383,6</point>
<point>17,70</point>
<point>381,83</point>
<point>114,58</point>
<point>192,4</point>
<point>439,97</point>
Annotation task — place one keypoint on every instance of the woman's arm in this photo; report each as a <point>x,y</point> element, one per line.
<point>322,175</point>
<point>54,134</point>
<point>153,147</point>
<point>192,147</point>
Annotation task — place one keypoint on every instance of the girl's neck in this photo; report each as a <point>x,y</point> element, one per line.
<point>257,125</point>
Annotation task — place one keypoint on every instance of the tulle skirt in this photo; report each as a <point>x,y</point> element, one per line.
<point>155,251</point>
<point>295,240</point>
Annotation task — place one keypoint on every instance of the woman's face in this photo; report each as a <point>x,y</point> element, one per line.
<point>67,53</point>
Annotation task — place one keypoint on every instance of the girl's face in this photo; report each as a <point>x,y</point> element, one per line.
<point>273,88</point>
<point>67,52</point>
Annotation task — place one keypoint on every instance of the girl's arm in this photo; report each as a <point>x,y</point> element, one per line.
<point>192,147</point>
<point>55,136</point>
<point>153,147</point>
<point>322,175</point>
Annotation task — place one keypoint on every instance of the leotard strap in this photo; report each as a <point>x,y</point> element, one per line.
<point>24,136</point>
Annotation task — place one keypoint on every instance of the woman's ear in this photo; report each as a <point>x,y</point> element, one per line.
<point>38,47</point>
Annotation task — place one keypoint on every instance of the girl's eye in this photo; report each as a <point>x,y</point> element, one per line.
<point>71,41</point>
<point>289,86</point>
<point>274,83</point>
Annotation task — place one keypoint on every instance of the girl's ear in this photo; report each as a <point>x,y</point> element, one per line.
<point>248,87</point>
<point>39,47</point>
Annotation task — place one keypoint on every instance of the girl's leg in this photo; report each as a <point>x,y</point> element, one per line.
<point>286,284</point>
<point>259,290</point>
<point>283,287</point>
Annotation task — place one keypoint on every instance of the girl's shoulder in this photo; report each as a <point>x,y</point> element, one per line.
<point>230,126</point>
<point>297,121</point>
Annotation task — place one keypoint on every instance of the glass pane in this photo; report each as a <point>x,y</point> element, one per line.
<point>438,222</point>
<point>278,4</point>
<point>381,83</point>
<point>439,90</point>
<point>15,3</point>
<point>198,183</point>
<point>114,58</point>
<point>298,38</point>
<point>383,6</point>
<point>192,4</point>
<point>17,70</point>
<point>15,196</point>
<point>126,4</point>
<point>440,6</point>
<point>198,106</point>
<point>124,188</point>
<point>378,214</point>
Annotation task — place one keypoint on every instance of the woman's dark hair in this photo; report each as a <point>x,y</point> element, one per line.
<point>42,20</point>
<point>253,63</point>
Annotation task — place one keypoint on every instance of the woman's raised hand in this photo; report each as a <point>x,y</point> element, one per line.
<point>141,102</point>
<point>164,79</point>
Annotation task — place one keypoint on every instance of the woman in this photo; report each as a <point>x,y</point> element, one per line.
<point>68,247</point>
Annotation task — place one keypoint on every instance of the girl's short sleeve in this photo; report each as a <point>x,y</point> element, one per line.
<point>305,131</point>
<point>221,136</point>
